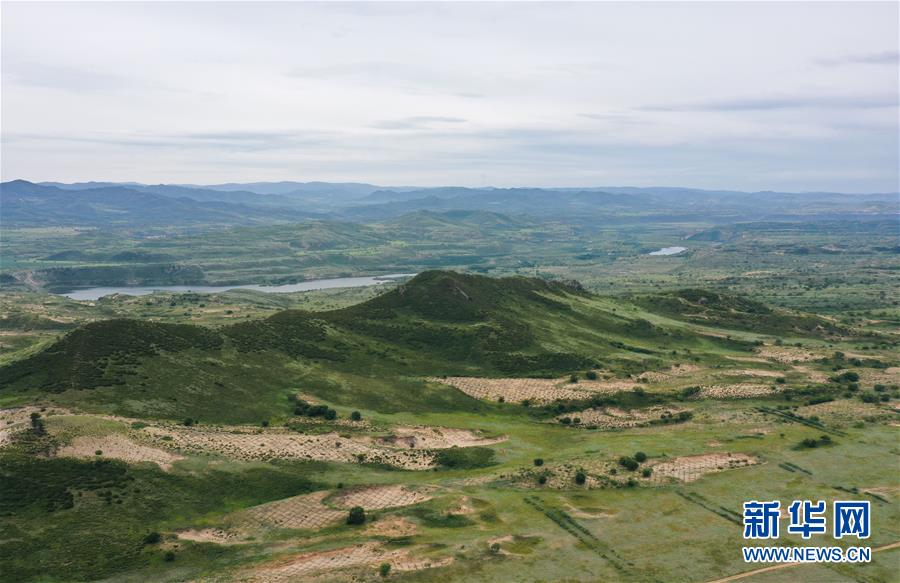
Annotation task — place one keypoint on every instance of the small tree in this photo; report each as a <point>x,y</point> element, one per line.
<point>580,477</point>
<point>573,378</point>
<point>169,556</point>
<point>591,375</point>
<point>646,472</point>
<point>330,414</point>
<point>640,457</point>
<point>384,569</point>
<point>495,548</point>
<point>538,461</point>
<point>152,538</point>
<point>356,516</point>
<point>356,416</point>
<point>188,422</point>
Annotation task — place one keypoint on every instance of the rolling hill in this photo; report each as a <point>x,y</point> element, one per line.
<point>373,354</point>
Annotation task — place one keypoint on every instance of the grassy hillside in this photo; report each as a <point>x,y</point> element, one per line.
<point>372,355</point>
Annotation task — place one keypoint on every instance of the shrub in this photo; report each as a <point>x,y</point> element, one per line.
<point>169,556</point>
<point>580,477</point>
<point>152,538</point>
<point>356,416</point>
<point>356,515</point>
<point>542,480</point>
<point>566,420</point>
<point>495,548</point>
<point>265,423</point>
<point>188,422</point>
<point>538,462</point>
<point>628,463</point>
<point>330,414</point>
<point>573,378</point>
<point>640,457</point>
<point>646,472</point>
<point>591,375</point>
<point>384,569</point>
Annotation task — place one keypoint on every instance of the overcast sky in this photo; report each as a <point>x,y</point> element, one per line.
<point>742,96</point>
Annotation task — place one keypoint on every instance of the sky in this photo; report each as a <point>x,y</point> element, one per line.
<point>742,96</point>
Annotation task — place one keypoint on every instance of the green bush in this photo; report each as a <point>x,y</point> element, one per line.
<point>628,463</point>
<point>357,515</point>
<point>640,457</point>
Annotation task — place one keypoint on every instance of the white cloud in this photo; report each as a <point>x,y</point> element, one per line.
<point>729,95</point>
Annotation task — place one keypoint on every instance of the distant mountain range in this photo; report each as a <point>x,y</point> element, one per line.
<point>107,204</point>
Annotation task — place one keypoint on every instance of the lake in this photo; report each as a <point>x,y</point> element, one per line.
<point>668,251</point>
<point>95,293</point>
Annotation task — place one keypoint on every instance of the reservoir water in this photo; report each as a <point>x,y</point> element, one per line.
<point>95,293</point>
<point>668,251</point>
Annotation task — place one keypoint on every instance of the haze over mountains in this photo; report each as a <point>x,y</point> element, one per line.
<point>106,204</point>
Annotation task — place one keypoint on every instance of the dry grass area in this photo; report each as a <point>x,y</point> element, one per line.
<point>17,419</point>
<point>303,565</point>
<point>887,376</point>
<point>370,554</point>
<point>754,372</point>
<point>379,497</point>
<point>307,511</point>
<point>787,354</point>
<point>117,447</point>
<point>323,508</point>
<point>614,418</point>
<point>677,370</point>
<point>538,391</point>
<point>734,391</point>
<point>846,410</point>
<point>391,526</point>
<point>436,438</point>
<point>208,535</point>
<point>812,375</point>
<point>690,468</point>
<point>256,444</point>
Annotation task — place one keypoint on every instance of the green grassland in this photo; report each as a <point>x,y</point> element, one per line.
<point>159,359</point>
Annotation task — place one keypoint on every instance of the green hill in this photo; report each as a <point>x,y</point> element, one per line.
<point>372,355</point>
<point>738,313</point>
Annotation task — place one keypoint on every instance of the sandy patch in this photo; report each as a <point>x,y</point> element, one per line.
<point>677,370</point>
<point>117,447</point>
<point>787,354</point>
<point>255,444</point>
<point>734,391</point>
<point>690,468</point>
<point>391,526</point>
<point>436,438</point>
<point>304,565</point>
<point>17,419</point>
<point>614,418</point>
<point>753,372</point>
<point>208,535</point>
<point>306,511</point>
<point>538,391</point>
<point>814,376</point>
<point>378,497</point>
